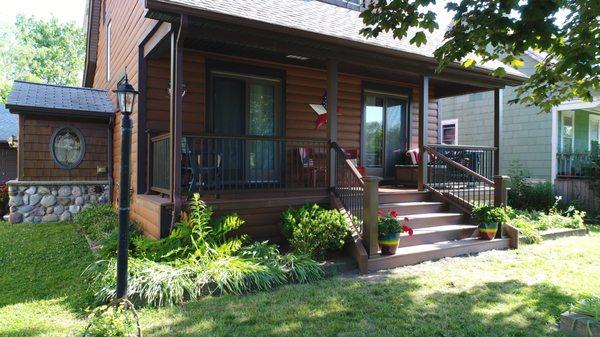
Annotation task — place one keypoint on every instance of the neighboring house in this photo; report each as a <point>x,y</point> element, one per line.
<point>231,97</point>
<point>9,127</point>
<point>545,145</point>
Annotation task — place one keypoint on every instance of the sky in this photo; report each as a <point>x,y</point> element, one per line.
<point>64,10</point>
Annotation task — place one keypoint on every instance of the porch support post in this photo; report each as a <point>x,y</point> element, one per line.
<point>498,116</point>
<point>176,115</point>
<point>370,206</point>
<point>423,132</point>
<point>332,107</point>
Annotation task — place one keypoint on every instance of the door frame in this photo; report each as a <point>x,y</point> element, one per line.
<point>391,91</point>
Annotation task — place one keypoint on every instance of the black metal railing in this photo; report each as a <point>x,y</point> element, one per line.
<point>463,174</point>
<point>219,164</point>
<point>578,165</point>
<point>349,187</point>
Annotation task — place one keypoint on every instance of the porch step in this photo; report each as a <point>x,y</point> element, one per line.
<point>428,235</point>
<point>434,251</point>
<point>391,195</point>
<point>415,207</point>
<point>434,219</point>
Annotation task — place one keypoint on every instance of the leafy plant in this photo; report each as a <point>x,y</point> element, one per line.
<point>489,214</point>
<point>3,197</point>
<point>111,321</point>
<point>313,230</point>
<point>589,307</point>
<point>97,222</point>
<point>202,257</point>
<point>391,225</point>
<point>526,195</point>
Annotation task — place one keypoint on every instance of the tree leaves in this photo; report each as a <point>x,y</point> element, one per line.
<point>505,30</point>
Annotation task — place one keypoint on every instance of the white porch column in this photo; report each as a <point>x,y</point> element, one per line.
<point>498,118</point>
<point>332,106</point>
<point>423,132</point>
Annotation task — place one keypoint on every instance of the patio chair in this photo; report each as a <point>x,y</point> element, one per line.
<point>206,169</point>
<point>311,165</point>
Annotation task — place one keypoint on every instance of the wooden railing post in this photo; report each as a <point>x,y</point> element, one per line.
<point>501,184</point>
<point>370,206</point>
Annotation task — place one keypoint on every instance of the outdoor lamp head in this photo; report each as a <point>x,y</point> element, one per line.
<point>125,97</point>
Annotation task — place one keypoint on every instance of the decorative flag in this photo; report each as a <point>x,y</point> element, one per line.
<point>321,111</point>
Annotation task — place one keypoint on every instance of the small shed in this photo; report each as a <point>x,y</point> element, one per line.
<point>9,129</point>
<point>64,153</point>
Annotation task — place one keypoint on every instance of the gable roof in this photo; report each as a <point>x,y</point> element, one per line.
<point>92,23</point>
<point>319,18</point>
<point>50,99</point>
<point>9,124</point>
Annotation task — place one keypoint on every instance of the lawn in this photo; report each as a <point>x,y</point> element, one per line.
<point>506,293</point>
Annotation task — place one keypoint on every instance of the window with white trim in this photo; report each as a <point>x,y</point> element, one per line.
<point>450,132</point>
<point>108,49</point>
<point>594,129</point>
<point>567,131</point>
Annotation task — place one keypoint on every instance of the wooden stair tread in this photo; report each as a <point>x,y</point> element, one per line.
<point>437,229</point>
<point>431,215</point>
<point>443,245</point>
<point>411,203</point>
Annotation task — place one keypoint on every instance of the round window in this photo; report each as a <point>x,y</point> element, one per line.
<point>67,147</point>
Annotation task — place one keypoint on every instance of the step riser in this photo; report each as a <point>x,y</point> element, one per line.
<point>385,198</point>
<point>436,237</point>
<point>416,209</point>
<point>411,259</point>
<point>436,221</point>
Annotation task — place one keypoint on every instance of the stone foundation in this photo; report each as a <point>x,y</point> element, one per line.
<point>48,201</point>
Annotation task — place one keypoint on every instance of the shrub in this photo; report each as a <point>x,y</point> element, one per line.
<point>529,196</point>
<point>489,214</point>
<point>111,322</point>
<point>97,222</point>
<point>201,257</point>
<point>313,230</point>
<point>527,229</point>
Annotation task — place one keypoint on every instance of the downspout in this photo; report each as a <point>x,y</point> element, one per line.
<point>111,182</point>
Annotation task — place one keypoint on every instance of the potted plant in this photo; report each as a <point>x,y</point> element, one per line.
<point>390,229</point>
<point>489,219</point>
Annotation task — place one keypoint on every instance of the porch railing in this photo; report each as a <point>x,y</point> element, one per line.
<point>577,165</point>
<point>214,164</point>
<point>463,174</point>
<point>349,187</point>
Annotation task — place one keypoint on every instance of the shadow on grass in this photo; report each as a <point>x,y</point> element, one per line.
<point>398,307</point>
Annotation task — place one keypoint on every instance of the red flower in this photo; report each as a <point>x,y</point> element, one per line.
<point>408,229</point>
<point>393,214</point>
<point>379,212</point>
<point>405,221</point>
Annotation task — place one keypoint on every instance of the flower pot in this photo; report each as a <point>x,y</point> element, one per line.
<point>487,231</point>
<point>389,243</point>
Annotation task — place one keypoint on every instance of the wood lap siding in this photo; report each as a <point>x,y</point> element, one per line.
<point>37,162</point>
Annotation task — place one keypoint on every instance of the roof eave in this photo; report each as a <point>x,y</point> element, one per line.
<point>93,26</point>
<point>31,110</point>
<point>170,8</point>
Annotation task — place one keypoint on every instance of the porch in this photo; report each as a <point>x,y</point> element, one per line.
<point>235,118</point>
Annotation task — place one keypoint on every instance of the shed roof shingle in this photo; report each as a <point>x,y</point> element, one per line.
<point>59,100</point>
<point>325,19</point>
<point>9,124</point>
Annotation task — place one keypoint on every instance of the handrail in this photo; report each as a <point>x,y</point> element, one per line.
<point>463,147</point>
<point>257,137</point>
<point>458,166</point>
<point>348,162</point>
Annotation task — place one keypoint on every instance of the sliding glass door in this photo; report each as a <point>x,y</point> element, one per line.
<point>385,133</point>
<point>247,108</point>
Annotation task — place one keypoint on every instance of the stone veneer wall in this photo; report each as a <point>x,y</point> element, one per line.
<point>36,201</point>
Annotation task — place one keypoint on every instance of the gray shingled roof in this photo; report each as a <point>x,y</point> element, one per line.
<point>9,124</point>
<point>321,18</point>
<point>52,99</point>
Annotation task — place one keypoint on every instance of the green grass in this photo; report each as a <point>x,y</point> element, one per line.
<point>505,293</point>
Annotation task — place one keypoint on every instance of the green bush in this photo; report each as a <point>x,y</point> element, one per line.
<point>525,195</point>
<point>97,222</point>
<point>314,230</point>
<point>489,214</point>
<point>527,229</point>
<point>201,257</point>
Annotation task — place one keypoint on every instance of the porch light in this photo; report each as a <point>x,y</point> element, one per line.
<point>125,97</point>
<point>13,142</point>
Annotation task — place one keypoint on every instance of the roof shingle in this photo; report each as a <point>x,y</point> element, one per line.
<point>59,100</point>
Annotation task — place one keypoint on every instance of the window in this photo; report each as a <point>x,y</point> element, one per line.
<point>567,131</point>
<point>108,48</point>
<point>594,129</point>
<point>450,132</point>
<point>67,147</point>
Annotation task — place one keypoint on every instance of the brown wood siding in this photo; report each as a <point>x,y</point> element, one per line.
<point>37,159</point>
<point>8,163</point>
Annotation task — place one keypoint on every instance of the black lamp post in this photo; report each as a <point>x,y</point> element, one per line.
<point>125,100</point>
